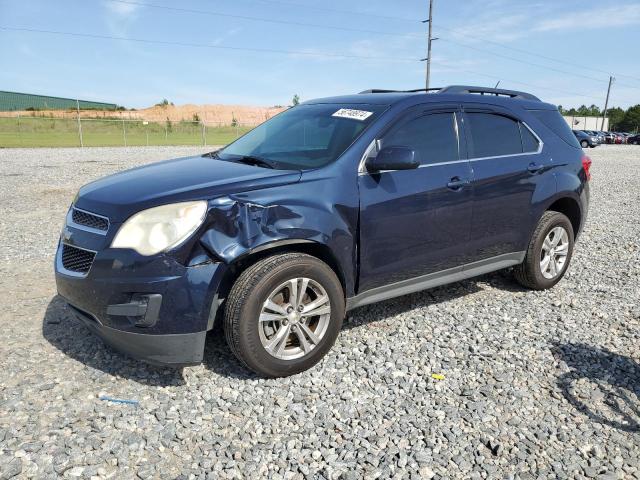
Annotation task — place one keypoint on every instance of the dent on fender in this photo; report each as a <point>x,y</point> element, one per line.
<point>241,224</point>
<point>237,226</point>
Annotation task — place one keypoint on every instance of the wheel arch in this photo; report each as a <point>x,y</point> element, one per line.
<point>309,247</point>
<point>570,207</point>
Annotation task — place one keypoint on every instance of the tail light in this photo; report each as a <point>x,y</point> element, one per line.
<point>586,165</point>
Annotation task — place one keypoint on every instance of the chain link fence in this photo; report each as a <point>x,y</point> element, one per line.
<point>89,132</point>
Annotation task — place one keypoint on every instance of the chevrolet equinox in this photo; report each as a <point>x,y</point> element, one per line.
<point>328,206</point>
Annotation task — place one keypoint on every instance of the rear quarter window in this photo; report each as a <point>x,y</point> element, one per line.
<point>554,122</point>
<point>530,143</point>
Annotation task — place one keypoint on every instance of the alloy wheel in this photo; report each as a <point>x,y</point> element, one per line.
<point>294,318</point>
<point>555,250</point>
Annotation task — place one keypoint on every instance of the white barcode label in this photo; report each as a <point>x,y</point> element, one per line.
<point>353,114</point>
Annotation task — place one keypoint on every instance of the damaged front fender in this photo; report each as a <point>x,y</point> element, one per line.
<point>239,225</point>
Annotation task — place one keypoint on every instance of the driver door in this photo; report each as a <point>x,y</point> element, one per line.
<point>416,222</point>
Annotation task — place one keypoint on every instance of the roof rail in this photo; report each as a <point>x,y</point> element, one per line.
<point>498,92</point>
<point>488,91</point>
<point>379,90</point>
<point>426,90</point>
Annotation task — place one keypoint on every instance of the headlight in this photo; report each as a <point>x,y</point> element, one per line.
<point>160,228</point>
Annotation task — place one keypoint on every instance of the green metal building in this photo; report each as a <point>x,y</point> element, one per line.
<point>10,101</point>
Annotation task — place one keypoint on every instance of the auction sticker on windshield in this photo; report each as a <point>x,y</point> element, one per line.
<point>353,114</point>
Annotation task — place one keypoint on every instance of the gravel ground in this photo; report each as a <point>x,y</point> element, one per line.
<point>536,384</point>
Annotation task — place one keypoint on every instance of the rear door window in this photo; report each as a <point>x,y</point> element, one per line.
<point>492,135</point>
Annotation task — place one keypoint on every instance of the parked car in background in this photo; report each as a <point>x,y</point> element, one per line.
<point>634,139</point>
<point>609,137</point>
<point>620,137</point>
<point>615,138</point>
<point>595,133</point>
<point>586,140</point>
<point>330,205</point>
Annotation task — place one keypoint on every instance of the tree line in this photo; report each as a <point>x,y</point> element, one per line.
<point>619,119</point>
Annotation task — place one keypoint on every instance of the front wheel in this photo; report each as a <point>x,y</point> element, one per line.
<point>584,144</point>
<point>283,314</point>
<point>548,254</point>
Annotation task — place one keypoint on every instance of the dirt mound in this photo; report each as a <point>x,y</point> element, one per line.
<point>209,114</point>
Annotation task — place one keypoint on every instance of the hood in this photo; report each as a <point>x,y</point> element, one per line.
<point>120,195</point>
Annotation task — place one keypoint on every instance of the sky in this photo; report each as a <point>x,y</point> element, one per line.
<point>262,52</point>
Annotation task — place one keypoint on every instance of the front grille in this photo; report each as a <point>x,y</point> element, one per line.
<point>80,217</point>
<point>76,259</point>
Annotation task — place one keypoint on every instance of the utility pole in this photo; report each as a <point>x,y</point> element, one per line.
<point>79,123</point>
<point>606,103</point>
<point>429,40</point>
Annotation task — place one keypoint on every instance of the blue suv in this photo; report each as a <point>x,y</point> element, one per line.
<point>333,204</point>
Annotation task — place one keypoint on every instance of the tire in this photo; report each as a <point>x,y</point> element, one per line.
<point>248,336</point>
<point>530,273</point>
<point>584,144</point>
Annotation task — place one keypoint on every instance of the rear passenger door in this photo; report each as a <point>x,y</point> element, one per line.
<point>507,164</point>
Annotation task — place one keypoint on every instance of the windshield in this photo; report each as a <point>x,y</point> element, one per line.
<point>303,137</point>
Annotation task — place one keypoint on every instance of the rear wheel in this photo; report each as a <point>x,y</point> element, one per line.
<point>283,314</point>
<point>548,254</point>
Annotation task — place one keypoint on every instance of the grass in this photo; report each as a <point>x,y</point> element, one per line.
<point>50,132</point>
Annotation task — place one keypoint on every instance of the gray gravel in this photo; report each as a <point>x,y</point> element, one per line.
<point>536,384</point>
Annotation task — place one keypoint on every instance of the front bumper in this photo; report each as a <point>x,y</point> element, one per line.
<point>179,349</point>
<point>152,308</point>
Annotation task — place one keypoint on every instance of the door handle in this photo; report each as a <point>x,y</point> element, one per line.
<point>534,167</point>
<point>456,183</point>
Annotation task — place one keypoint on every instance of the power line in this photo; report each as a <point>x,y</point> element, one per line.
<point>534,54</point>
<point>494,77</point>
<point>565,72</point>
<point>262,19</point>
<point>375,32</point>
<point>275,51</point>
<point>206,45</point>
<point>334,10</point>
<point>522,61</point>
<point>454,30</point>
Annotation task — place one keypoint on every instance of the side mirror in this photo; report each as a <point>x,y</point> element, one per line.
<point>392,158</point>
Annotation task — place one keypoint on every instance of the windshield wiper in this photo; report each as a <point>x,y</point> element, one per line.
<point>257,161</point>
